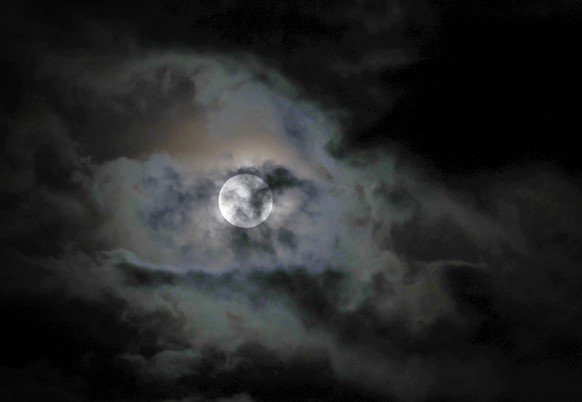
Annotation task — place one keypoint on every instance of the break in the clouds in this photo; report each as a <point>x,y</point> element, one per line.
<point>373,278</point>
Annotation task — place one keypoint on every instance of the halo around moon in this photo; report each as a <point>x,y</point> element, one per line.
<point>245,200</point>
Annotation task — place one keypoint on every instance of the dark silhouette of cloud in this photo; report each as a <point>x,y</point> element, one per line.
<point>424,238</point>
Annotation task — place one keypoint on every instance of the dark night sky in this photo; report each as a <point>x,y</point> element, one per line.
<point>424,239</point>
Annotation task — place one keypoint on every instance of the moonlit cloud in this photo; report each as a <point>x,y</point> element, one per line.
<point>375,277</point>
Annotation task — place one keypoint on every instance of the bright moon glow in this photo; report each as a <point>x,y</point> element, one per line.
<point>245,200</point>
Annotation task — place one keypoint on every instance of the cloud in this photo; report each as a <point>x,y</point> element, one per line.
<point>369,281</point>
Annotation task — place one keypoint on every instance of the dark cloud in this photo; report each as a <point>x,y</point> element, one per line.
<point>435,240</point>
<point>424,239</point>
<point>287,238</point>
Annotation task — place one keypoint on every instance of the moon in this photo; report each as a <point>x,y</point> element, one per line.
<point>245,200</point>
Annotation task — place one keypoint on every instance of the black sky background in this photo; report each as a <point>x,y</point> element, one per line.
<point>478,92</point>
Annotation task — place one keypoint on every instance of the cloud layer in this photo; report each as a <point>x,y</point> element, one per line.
<point>374,277</point>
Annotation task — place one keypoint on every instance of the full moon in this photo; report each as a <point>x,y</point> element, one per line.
<point>245,200</point>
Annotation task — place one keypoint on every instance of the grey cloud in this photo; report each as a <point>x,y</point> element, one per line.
<point>440,239</point>
<point>369,282</point>
<point>236,398</point>
<point>287,238</point>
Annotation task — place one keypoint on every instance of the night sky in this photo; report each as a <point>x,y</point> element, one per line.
<point>424,242</point>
